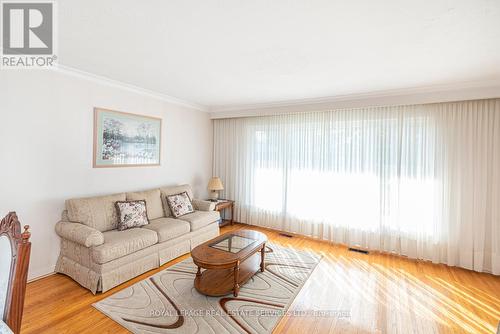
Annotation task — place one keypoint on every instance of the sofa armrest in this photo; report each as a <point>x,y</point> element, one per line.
<point>79,233</point>
<point>202,205</point>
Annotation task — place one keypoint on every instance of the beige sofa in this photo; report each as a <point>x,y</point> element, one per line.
<point>99,257</point>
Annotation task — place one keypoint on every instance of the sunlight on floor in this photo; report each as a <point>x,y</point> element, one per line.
<point>381,297</point>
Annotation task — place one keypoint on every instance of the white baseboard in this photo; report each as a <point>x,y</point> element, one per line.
<point>41,273</point>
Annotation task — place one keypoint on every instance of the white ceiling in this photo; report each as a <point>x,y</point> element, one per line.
<point>239,52</point>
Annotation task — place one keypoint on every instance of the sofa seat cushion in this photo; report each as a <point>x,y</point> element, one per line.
<point>168,228</point>
<point>121,243</point>
<point>199,219</point>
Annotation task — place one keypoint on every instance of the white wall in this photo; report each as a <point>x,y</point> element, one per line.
<point>46,134</point>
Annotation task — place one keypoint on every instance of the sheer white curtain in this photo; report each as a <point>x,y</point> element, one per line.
<point>421,181</point>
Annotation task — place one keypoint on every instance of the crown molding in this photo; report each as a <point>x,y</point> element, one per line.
<point>416,95</point>
<point>131,88</point>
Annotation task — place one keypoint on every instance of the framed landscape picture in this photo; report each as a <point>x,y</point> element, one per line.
<point>126,140</point>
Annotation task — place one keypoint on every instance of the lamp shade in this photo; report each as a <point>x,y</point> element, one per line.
<point>215,184</point>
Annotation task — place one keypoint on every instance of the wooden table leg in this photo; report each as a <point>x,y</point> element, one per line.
<point>262,254</point>
<point>198,273</point>
<point>232,214</point>
<point>236,279</point>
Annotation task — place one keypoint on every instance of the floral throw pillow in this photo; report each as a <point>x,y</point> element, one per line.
<point>180,204</point>
<point>131,214</point>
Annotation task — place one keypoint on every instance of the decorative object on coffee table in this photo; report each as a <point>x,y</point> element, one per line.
<point>215,185</point>
<point>229,260</point>
<point>15,249</point>
<point>221,206</point>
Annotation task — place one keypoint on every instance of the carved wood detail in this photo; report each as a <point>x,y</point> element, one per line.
<point>21,249</point>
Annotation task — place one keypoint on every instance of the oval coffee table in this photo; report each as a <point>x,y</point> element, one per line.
<point>229,260</point>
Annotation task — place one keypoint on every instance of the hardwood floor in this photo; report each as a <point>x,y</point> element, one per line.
<point>380,294</point>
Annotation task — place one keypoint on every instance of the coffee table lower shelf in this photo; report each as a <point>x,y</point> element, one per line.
<point>220,282</point>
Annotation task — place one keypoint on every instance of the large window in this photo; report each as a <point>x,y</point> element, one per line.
<point>361,174</point>
<point>415,180</point>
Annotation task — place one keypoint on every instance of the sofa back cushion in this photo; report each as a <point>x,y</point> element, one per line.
<point>174,190</point>
<point>96,212</point>
<point>153,202</point>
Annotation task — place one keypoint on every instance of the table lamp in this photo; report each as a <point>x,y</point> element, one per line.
<point>215,185</point>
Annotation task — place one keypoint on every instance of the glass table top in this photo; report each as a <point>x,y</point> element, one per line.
<point>232,243</point>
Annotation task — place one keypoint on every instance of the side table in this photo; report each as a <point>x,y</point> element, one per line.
<point>221,206</point>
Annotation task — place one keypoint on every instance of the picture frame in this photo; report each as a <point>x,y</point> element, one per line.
<point>124,139</point>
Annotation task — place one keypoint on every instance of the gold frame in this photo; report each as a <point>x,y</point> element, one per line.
<point>94,157</point>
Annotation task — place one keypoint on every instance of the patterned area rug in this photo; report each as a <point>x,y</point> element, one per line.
<point>167,302</point>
